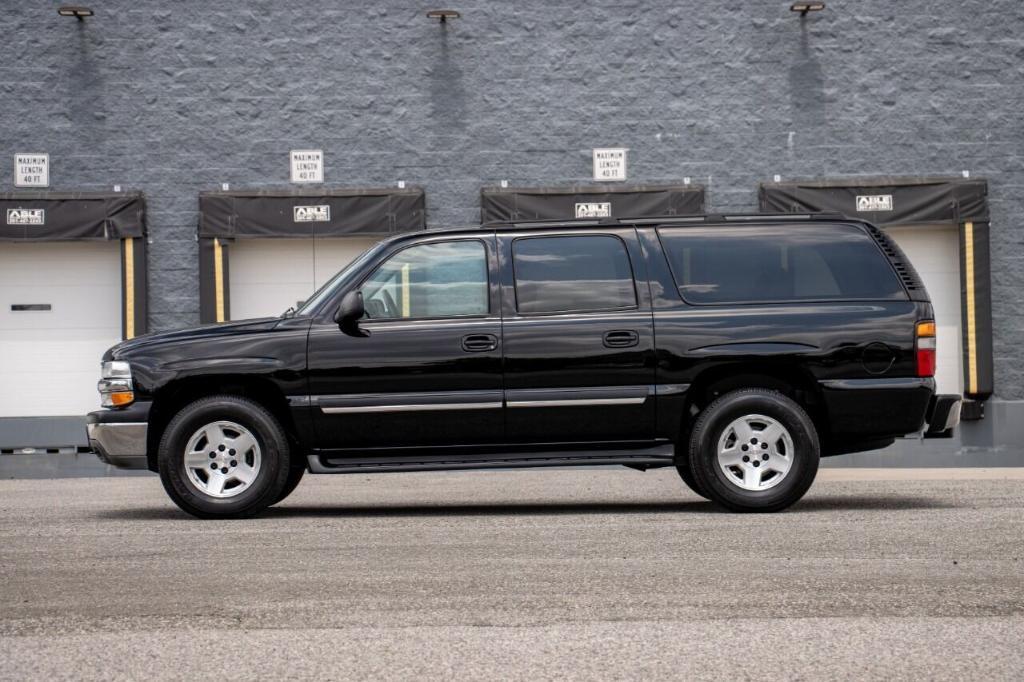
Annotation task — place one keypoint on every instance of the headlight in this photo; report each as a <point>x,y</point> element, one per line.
<point>115,385</point>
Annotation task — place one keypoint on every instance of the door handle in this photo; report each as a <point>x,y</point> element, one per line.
<point>476,343</point>
<point>621,338</point>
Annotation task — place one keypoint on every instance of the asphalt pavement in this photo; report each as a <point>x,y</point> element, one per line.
<point>578,574</point>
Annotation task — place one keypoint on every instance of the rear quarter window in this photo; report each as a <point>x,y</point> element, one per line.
<point>778,263</point>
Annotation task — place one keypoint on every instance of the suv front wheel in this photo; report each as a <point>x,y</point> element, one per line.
<point>754,450</point>
<point>224,457</point>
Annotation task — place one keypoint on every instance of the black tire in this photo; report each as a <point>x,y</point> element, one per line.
<point>713,422</point>
<point>686,473</point>
<point>269,481</point>
<point>294,477</point>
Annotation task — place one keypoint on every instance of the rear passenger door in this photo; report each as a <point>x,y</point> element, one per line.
<point>578,337</point>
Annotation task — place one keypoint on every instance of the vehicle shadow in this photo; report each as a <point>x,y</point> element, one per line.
<point>846,503</point>
<point>553,508</point>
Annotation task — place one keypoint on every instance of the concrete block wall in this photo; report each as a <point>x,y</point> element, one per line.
<point>175,98</point>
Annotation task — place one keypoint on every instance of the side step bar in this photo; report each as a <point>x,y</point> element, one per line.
<point>662,456</point>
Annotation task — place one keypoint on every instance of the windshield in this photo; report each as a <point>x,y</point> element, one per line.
<point>327,291</point>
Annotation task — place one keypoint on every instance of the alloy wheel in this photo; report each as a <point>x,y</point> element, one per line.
<point>755,452</point>
<point>222,459</point>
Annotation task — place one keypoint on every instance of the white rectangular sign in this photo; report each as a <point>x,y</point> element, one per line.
<point>311,214</point>
<point>610,165</point>
<point>307,165</point>
<point>874,202</point>
<point>26,216</point>
<point>31,170</point>
<point>602,209</point>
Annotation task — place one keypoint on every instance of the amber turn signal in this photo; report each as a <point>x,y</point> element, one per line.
<point>122,398</point>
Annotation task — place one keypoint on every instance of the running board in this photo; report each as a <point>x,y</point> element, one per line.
<point>662,456</point>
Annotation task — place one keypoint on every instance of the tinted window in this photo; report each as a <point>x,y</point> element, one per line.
<point>558,274</point>
<point>441,279</point>
<point>778,263</point>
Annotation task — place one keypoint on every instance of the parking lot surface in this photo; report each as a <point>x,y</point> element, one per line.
<point>595,573</point>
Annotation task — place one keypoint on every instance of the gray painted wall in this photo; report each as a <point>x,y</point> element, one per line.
<point>174,98</point>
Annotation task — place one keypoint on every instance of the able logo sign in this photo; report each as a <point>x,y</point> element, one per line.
<point>312,214</point>
<point>26,216</point>
<point>874,202</point>
<point>598,209</point>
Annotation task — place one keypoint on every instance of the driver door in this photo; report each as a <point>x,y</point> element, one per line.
<point>428,372</point>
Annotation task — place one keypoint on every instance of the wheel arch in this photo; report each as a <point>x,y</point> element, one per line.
<point>171,398</point>
<point>789,378</point>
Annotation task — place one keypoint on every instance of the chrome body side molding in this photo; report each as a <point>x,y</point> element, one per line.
<point>488,400</point>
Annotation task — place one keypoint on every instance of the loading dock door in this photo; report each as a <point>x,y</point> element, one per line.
<point>268,276</point>
<point>72,284</point>
<point>49,357</point>
<point>934,252</point>
<point>263,251</point>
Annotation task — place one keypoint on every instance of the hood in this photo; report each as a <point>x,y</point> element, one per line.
<point>207,331</point>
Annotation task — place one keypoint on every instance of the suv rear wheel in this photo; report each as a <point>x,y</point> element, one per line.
<point>224,457</point>
<point>754,450</point>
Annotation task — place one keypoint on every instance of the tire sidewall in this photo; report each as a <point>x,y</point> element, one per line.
<point>686,473</point>
<point>269,435</point>
<point>295,476</point>
<point>722,412</point>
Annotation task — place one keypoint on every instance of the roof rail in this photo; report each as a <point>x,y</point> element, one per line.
<point>660,220</point>
<point>547,222</point>
<point>737,218</point>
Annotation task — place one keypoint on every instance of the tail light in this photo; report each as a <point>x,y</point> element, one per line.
<point>924,346</point>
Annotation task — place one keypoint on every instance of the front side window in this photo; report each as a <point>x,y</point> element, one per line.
<point>346,274</point>
<point>572,274</point>
<point>439,279</point>
<point>779,263</point>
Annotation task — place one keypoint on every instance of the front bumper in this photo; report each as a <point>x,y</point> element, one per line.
<point>121,445</point>
<point>119,437</point>
<point>943,416</point>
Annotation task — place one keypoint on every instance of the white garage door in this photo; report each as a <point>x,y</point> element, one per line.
<point>934,251</point>
<point>267,276</point>
<point>50,359</point>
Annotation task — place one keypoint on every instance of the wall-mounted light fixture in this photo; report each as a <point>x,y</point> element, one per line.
<point>804,7</point>
<point>79,13</point>
<point>443,14</point>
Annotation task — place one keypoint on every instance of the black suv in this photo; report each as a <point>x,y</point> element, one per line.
<point>737,349</point>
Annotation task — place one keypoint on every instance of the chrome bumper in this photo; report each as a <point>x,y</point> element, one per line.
<point>122,445</point>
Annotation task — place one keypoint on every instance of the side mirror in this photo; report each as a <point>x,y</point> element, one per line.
<point>349,312</point>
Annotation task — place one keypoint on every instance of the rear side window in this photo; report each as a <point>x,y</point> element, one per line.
<point>572,274</point>
<point>778,264</point>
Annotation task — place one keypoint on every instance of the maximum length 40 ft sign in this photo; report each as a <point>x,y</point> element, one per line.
<point>31,170</point>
